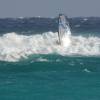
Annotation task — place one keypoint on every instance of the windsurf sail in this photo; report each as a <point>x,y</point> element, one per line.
<point>63,28</point>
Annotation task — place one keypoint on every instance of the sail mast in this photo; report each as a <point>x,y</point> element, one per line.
<point>59,32</point>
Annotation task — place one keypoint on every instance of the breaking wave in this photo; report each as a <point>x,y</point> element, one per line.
<point>13,47</point>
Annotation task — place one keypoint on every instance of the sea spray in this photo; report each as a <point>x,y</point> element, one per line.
<point>13,47</point>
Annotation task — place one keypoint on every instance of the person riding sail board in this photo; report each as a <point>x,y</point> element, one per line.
<point>63,29</point>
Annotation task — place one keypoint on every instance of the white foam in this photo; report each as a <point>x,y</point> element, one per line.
<point>40,59</point>
<point>66,41</point>
<point>85,19</point>
<point>77,25</point>
<point>21,17</point>
<point>13,47</point>
<point>86,70</point>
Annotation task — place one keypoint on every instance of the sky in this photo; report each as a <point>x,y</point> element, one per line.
<point>49,8</point>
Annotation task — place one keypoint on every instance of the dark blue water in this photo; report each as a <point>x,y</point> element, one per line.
<point>50,76</point>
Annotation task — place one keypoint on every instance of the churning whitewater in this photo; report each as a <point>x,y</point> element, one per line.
<point>13,47</point>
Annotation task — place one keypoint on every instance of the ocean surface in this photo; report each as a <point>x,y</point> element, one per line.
<point>34,67</point>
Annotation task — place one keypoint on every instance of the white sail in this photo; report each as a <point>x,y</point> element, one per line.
<point>64,29</point>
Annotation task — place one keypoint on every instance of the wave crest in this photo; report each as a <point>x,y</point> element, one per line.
<point>13,47</point>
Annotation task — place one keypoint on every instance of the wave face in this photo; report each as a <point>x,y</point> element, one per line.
<point>13,47</point>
